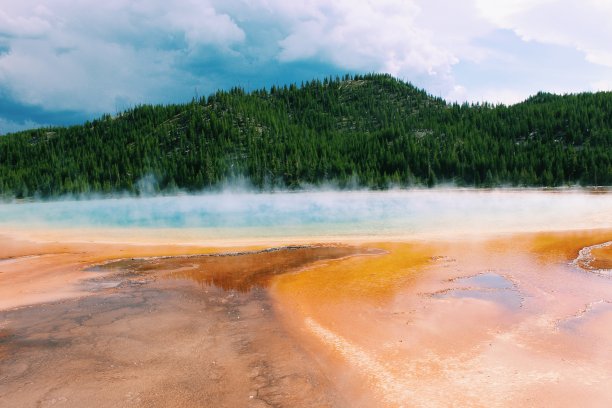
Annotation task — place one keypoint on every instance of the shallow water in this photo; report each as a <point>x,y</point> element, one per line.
<point>486,280</point>
<point>502,297</point>
<point>487,286</point>
<point>389,213</point>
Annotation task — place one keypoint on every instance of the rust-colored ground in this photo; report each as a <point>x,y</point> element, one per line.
<point>498,321</point>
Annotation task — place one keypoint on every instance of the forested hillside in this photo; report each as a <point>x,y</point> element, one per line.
<point>372,131</point>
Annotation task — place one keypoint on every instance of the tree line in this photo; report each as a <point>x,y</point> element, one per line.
<point>371,131</point>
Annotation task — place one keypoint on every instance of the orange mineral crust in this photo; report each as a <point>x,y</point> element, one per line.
<point>522,319</point>
<point>509,321</point>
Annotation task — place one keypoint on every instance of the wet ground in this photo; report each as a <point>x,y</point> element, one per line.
<point>515,320</point>
<point>185,331</point>
<point>503,322</point>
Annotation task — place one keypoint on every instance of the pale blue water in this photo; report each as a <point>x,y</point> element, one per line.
<point>321,213</point>
<point>485,280</point>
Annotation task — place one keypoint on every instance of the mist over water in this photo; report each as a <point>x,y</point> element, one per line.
<point>389,213</point>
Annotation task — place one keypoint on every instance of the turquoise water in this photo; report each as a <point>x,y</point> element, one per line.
<point>310,213</point>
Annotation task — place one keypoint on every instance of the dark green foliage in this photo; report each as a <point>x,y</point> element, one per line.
<point>372,131</point>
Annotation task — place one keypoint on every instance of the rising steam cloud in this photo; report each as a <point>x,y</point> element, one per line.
<point>327,213</point>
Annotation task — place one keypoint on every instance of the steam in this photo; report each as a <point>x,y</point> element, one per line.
<point>237,213</point>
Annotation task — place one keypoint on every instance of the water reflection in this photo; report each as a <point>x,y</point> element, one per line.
<point>592,312</point>
<point>485,286</point>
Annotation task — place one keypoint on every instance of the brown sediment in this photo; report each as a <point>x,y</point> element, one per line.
<point>240,271</point>
<point>4,339</point>
<point>596,258</point>
<point>602,262</point>
<point>37,272</point>
<point>162,345</point>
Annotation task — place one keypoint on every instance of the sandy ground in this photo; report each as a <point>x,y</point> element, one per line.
<point>490,321</point>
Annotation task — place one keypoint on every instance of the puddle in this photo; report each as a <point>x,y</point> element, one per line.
<point>485,286</point>
<point>485,280</point>
<point>591,311</point>
<point>507,298</point>
<point>240,271</point>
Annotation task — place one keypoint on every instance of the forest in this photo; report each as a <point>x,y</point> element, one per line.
<point>359,131</point>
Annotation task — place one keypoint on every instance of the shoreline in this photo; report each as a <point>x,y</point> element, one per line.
<point>198,237</point>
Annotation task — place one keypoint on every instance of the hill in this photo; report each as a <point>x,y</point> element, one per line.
<point>371,130</point>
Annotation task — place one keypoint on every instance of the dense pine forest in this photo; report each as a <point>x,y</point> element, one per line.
<point>369,131</point>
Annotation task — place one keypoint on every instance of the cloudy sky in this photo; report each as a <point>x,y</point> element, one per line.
<point>65,61</point>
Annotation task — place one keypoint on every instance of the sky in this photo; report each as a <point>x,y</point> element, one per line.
<point>66,61</point>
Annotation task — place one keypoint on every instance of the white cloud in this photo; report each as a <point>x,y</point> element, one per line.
<point>506,96</point>
<point>89,56</point>
<point>395,36</point>
<point>199,22</point>
<point>82,74</point>
<point>86,55</point>
<point>603,85</point>
<point>583,25</point>
<point>23,26</point>
<point>416,40</point>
